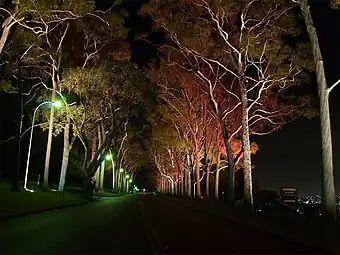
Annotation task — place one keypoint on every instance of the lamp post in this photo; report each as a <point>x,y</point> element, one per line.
<point>57,104</point>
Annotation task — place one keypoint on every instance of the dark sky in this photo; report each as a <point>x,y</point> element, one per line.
<point>292,156</point>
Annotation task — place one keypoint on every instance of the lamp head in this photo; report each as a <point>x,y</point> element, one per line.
<point>57,104</point>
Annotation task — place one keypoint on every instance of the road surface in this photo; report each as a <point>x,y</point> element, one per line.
<point>136,224</point>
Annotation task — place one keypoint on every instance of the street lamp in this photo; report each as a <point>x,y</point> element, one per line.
<point>121,170</point>
<point>108,157</point>
<point>56,104</point>
<point>127,176</point>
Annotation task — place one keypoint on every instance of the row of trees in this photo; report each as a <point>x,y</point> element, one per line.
<point>242,59</point>
<point>234,69</point>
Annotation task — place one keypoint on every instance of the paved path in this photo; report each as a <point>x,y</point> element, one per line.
<point>136,224</point>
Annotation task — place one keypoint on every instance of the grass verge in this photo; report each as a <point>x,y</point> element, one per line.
<point>24,202</point>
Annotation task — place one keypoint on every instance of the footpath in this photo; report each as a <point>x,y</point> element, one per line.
<point>314,233</point>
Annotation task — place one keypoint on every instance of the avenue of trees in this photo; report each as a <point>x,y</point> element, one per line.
<point>227,71</point>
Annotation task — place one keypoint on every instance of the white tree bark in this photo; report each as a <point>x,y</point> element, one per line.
<point>66,153</point>
<point>50,132</point>
<point>102,175</point>
<point>247,176</point>
<point>217,177</point>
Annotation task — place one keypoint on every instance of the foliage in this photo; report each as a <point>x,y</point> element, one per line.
<point>268,52</point>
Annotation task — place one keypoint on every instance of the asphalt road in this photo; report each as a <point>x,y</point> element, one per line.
<point>136,224</point>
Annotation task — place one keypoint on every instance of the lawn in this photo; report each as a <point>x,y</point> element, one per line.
<point>22,202</point>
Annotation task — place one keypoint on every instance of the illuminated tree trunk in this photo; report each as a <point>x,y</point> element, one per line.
<point>102,175</point>
<point>207,185</point>
<point>113,173</point>
<point>66,153</point>
<point>182,184</point>
<point>248,185</point>
<point>119,181</point>
<point>231,163</point>
<point>98,169</point>
<point>197,168</point>
<point>50,132</point>
<point>217,177</point>
<point>172,188</point>
<point>188,176</point>
<point>327,183</point>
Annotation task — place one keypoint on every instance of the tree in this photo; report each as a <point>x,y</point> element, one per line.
<point>111,94</point>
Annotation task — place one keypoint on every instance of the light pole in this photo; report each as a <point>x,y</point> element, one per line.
<point>57,104</point>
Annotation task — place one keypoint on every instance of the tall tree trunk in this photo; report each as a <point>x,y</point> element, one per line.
<point>66,153</point>
<point>102,175</point>
<point>93,148</point>
<point>88,187</point>
<point>197,169</point>
<point>124,181</point>
<point>172,187</point>
<point>207,185</point>
<point>248,185</point>
<point>119,183</point>
<point>217,178</point>
<point>182,184</point>
<point>188,176</point>
<point>113,173</point>
<point>99,167</point>
<point>327,183</point>
<point>175,188</point>
<point>231,162</point>
<point>50,132</point>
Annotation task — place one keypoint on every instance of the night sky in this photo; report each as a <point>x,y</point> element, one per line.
<point>292,156</point>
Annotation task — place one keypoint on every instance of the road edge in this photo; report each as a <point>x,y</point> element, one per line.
<point>7,216</point>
